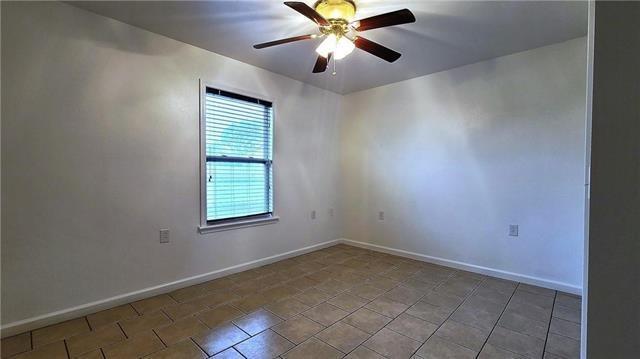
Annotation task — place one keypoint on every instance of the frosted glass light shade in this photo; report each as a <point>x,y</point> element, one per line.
<point>343,48</point>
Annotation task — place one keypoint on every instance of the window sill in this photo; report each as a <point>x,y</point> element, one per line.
<point>238,224</point>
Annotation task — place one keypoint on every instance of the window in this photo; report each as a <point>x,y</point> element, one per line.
<point>237,173</point>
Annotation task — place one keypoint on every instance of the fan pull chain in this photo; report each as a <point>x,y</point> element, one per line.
<point>334,67</point>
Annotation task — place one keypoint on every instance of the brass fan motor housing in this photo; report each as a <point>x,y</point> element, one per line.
<point>338,12</point>
<point>343,10</point>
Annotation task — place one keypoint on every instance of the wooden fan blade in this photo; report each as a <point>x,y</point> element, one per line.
<point>376,49</point>
<point>322,63</point>
<point>307,11</point>
<point>283,41</point>
<point>399,17</point>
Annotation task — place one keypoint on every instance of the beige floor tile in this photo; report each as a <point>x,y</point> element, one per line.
<point>278,293</point>
<point>492,352</point>
<point>536,290</point>
<point>219,315</point>
<point>60,331</point>
<point>542,301</point>
<point>516,342</point>
<point>255,322</point>
<point>144,322</point>
<point>188,293</point>
<point>491,295</point>
<point>437,348</point>
<point>469,337</point>
<point>333,287</point>
<point>566,313</point>
<point>220,338</point>
<point>267,344</point>
<point>385,284</point>
<point>111,315</point>
<point>569,300</point>
<point>94,354</point>
<point>152,304</point>
<point>387,307</point>
<point>415,284</point>
<point>475,317</point>
<point>182,310</point>
<point>250,303</point>
<point>520,324</point>
<point>475,302</point>
<point>343,336</point>
<point>313,349</point>
<point>49,351</point>
<point>298,329</point>
<point>443,300</point>
<point>312,296</point>
<point>216,298</point>
<point>180,330</point>
<point>391,344</point>
<point>412,327</point>
<point>228,354</point>
<point>348,302</point>
<point>185,349</point>
<point>302,283</point>
<point>505,287</point>
<point>366,291</point>
<point>223,283</point>
<point>363,352</point>
<point>325,314</point>
<point>404,295</point>
<point>287,308</point>
<point>15,344</point>
<point>367,320</point>
<point>530,311</point>
<point>565,328</point>
<point>429,312</point>
<point>99,338</point>
<point>563,346</point>
<point>135,347</point>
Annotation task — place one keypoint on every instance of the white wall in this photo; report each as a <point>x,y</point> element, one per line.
<point>100,151</point>
<point>454,157</point>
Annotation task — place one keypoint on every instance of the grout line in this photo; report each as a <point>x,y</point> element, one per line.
<point>122,330</point>
<point>86,319</point>
<point>546,338</point>
<point>498,321</point>
<point>198,345</point>
<point>157,335</point>
<point>66,348</point>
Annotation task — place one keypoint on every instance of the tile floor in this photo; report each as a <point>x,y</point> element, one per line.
<point>336,302</point>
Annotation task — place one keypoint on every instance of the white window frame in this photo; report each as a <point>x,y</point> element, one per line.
<point>205,226</point>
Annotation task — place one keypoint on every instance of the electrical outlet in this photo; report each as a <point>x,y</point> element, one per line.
<point>330,212</point>
<point>313,214</point>
<point>513,230</point>
<point>164,236</point>
<point>381,215</point>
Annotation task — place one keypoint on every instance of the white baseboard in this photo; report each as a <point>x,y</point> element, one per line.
<point>523,278</point>
<point>88,308</point>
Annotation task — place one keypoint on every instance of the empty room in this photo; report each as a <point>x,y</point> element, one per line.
<point>320,179</point>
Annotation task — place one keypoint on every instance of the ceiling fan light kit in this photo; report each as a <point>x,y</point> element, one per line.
<point>335,23</point>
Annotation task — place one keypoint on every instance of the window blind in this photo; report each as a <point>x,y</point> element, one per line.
<point>238,132</point>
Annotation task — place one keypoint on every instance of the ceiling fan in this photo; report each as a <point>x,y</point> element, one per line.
<point>335,22</point>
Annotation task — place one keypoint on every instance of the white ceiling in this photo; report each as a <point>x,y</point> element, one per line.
<point>446,34</point>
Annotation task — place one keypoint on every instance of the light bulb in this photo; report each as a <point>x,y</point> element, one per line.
<point>327,46</point>
<point>343,48</point>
